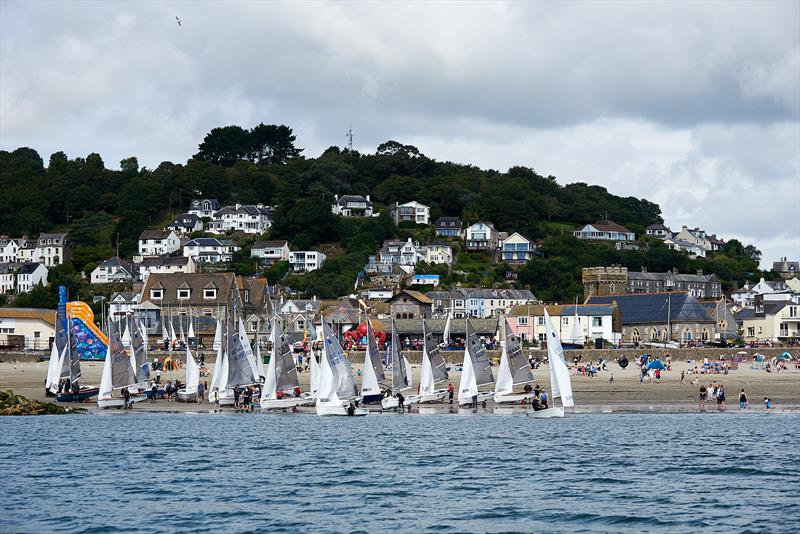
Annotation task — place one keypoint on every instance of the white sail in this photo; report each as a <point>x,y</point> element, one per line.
<point>126,336</point>
<point>426,382</point>
<point>269,391</point>
<point>172,336</point>
<point>106,385</point>
<point>164,331</point>
<point>191,326</point>
<point>217,373</point>
<point>446,334</point>
<point>560,382</point>
<point>577,332</point>
<point>52,367</point>
<point>468,386</point>
<point>192,372</point>
<point>408,373</point>
<point>248,351</point>
<point>217,344</point>
<point>313,372</point>
<point>181,336</point>
<point>327,388</point>
<point>504,385</point>
<point>370,383</point>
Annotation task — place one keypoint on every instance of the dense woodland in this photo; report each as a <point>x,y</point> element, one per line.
<point>99,207</point>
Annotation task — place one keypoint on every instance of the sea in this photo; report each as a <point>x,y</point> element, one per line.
<point>470,472</point>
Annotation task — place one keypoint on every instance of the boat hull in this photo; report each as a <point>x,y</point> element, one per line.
<point>336,409</point>
<point>512,399</point>
<point>372,399</point>
<point>547,413</point>
<point>187,396</point>
<point>282,404</point>
<point>83,395</point>
<point>436,396</point>
<point>481,397</point>
<point>117,402</point>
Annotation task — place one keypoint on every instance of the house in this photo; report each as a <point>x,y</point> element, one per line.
<point>299,316</point>
<point>659,231</point>
<point>699,238</point>
<point>10,249</point>
<point>604,230</point>
<point>661,317</point>
<point>27,328</point>
<point>122,303</point>
<point>409,305</point>
<point>770,321</point>
<point>22,277</point>
<point>401,252</point>
<point>776,290</point>
<point>205,207</point>
<point>352,206</point>
<point>27,252</point>
<point>249,219</point>
<point>597,321</point>
<point>270,251</point>
<point>787,269</point>
<point>51,250</point>
<point>411,212</point>
<point>382,274</point>
<point>166,265</point>
<point>306,260</point>
<point>8,277</point>
<point>425,280</point>
<point>699,285</point>
<point>113,270</point>
<point>478,302</point>
<point>379,293</point>
<point>185,224</point>
<point>680,245</point>
<point>448,227</point>
<point>481,236</point>
<point>438,252</point>
<point>210,250</point>
<point>724,317</point>
<point>158,243</point>
<point>516,249</point>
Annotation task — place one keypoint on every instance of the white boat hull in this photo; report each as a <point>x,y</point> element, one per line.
<point>390,403</point>
<point>187,396</point>
<point>547,413</point>
<point>481,397</point>
<point>512,399</point>
<point>283,404</point>
<point>118,402</point>
<point>327,409</point>
<point>436,396</point>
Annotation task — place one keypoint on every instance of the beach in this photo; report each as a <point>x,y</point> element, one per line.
<point>596,394</point>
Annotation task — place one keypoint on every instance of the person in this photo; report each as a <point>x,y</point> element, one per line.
<point>215,395</point>
<point>658,375</point>
<point>742,400</point>
<point>543,398</point>
<point>237,393</point>
<point>475,402</point>
<point>683,376</point>
<point>247,397</point>
<point>153,391</point>
<point>721,397</point>
<point>703,397</point>
<point>158,375</point>
<point>201,393</point>
<point>537,390</point>
<point>400,401</point>
<point>351,409</point>
<point>611,378</point>
<point>450,391</point>
<point>768,404</point>
<point>126,396</point>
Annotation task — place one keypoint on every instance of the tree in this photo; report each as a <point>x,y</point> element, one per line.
<point>224,146</point>
<point>272,144</point>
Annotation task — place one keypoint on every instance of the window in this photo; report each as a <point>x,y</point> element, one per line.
<point>36,334</point>
<point>792,311</point>
<point>247,295</point>
<point>183,294</point>
<point>751,331</point>
<point>156,294</point>
<point>540,321</point>
<point>522,321</point>
<point>635,337</point>
<point>253,325</point>
<point>542,337</point>
<point>597,321</point>
<point>207,312</point>
<point>210,293</point>
<point>687,335</point>
<point>565,321</point>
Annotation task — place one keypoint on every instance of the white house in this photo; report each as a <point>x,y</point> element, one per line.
<point>122,303</point>
<point>10,249</point>
<point>597,321</point>
<point>210,250</point>
<point>51,249</point>
<point>166,265</point>
<point>378,293</point>
<point>481,236</point>
<point>158,243</point>
<point>659,231</point>
<point>33,327</point>
<point>699,237</point>
<point>478,302</point>
<point>425,280</point>
<point>270,251</point>
<point>411,211</point>
<point>204,207</point>
<point>113,270</point>
<point>352,206</point>
<point>692,249</point>
<point>249,219</point>
<point>30,275</point>
<point>7,277</point>
<point>516,248</point>
<point>400,252</point>
<point>186,223</point>
<point>438,252</point>
<point>27,252</point>
<point>306,260</point>
<point>605,231</point>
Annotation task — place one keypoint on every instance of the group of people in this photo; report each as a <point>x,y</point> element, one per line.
<point>715,391</point>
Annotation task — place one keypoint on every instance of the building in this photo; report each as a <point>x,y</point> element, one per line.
<point>448,227</point>
<point>8,277</point>
<point>701,286</point>
<point>597,321</point>
<point>680,245</point>
<point>27,328</point>
<point>478,302</point>
<point>411,212</point>
<point>249,219</point>
<point>185,224</point>
<point>270,251</point>
<point>604,230</point>
<point>425,280</point>
<point>661,317</point>
<point>604,280</point>
<point>699,238</point>
<point>787,269</point>
<point>51,250</point>
<point>158,243</point>
<point>659,231</point>
<point>409,305</point>
<point>166,265</point>
<point>113,270</point>
<point>379,293</point>
<point>382,274</point>
<point>400,252</point>
<point>210,250</point>
<point>22,277</point>
<point>205,207</point>
<point>352,206</point>
<point>516,249</point>
<point>724,317</point>
<point>438,253</point>
<point>306,260</point>
<point>481,236</point>
<point>10,249</point>
<point>774,290</point>
<point>123,303</point>
<point>770,321</point>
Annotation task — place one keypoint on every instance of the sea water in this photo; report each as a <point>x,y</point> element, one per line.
<point>129,472</point>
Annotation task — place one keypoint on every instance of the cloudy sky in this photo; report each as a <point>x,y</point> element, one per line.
<point>693,106</point>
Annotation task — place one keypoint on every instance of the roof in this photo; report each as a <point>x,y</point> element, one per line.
<point>607,226</point>
<point>196,281</point>
<point>159,261</point>
<point>154,234</point>
<point>699,278</point>
<point>584,310</point>
<point>249,209</point>
<point>345,199</point>
<point>30,267</point>
<point>784,266</point>
<point>209,242</point>
<point>129,296</point>
<point>656,308</point>
<point>482,327</point>
<point>269,244</point>
<point>52,236</point>
<point>482,292</point>
<point>47,316</point>
<point>448,222</point>
<point>214,202</point>
<point>185,220</point>
<point>490,225</point>
<point>658,226</point>
<point>416,295</point>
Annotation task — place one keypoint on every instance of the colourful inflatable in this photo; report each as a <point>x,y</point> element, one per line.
<point>357,337</point>
<point>90,341</point>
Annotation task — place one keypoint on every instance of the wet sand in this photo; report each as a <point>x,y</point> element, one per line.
<point>597,394</point>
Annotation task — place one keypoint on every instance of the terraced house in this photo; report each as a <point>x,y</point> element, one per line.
<point>249,219</point>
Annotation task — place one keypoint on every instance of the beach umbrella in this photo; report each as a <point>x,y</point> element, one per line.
<point>656,364</point>
<point>784,356</point>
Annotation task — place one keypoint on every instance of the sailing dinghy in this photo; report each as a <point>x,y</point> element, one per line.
<point>189,393</point>
<point>281,380</point>
<point>476,371</point>
<point>401,373</point>
<point>434,369</point>
<point>560,382</point>
<point>337,390</point>
<point>118,373</point>
<point>371,392</point>
<point>514,370</point>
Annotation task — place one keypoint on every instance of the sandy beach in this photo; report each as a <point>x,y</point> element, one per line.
<point>625,393</point>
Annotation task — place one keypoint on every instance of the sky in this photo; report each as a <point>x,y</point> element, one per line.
<point>694,106</point>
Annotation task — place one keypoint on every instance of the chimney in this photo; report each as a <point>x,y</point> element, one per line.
<point>238,205</point>
<point>699,272</point>
<point>336,198</point>
<point>674,270</point>
<point>368,198</point>
<point>644,268</point>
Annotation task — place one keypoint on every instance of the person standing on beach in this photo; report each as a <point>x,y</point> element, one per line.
<point>215,395</point>
<point>768,404</point>
<point>201,392</point>
<point>721,398</point>
<point>153,391</point>
<point>683,376</point>
<point>742,400</point>
<point>703,397</point>
<point>450,391</point>
<point>158,375</point>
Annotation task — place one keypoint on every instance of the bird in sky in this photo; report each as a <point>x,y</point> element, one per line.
<point>179,21</point>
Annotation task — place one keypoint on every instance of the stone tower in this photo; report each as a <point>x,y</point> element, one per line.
<point>604,280</point>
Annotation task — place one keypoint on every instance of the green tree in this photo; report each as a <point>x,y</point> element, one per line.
<point>273,144</point>
<point>225,145</point>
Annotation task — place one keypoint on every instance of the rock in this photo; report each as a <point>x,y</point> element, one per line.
<point>12,404</point>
